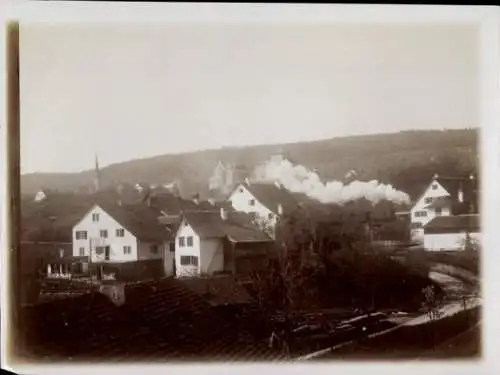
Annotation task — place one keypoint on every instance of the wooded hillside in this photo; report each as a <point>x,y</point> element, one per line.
<point>407,160</point>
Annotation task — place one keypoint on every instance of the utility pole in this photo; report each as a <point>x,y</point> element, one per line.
<point>14,176</point>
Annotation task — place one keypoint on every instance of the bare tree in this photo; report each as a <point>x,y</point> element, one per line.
<point>432,302</point>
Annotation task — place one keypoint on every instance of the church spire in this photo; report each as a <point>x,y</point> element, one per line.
<point>97,177</point>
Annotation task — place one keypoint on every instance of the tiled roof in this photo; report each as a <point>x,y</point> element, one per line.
<point>453,224</point>
<point>271,196</point>
<point>219,290</point>
<point>172,204</point>
<point>141,220</point>
<point>162,320</point>
<point>454,184</point>
<point>237,227</point>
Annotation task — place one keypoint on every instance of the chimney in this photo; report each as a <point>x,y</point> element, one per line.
<point>211,201</point>
<point>277,184</point>
<point>460,193</point>
<point>436,176</point>
<point>223,213</point>
<point>247,181</point>
<point>280,209</point>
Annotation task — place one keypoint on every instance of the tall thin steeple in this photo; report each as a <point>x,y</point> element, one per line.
<point>97,175</point>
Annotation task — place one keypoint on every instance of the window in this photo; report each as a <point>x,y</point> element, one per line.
<point>189,260</point>
<point>253,215</point>
<point>428,200</point>
<point>104,233</point>
<point>241,190</point>
<point>81,234</point>
<point>120,232</point>
<point>182,241</point>
<point>190,241</point>
<point>153,249</point>
<point>95,217</point>
<point>421,214</point>
<point>251,202</point>
<point>434,186</point>
<point>82,251</point>
<point>127,249</point>
<point>172,247</point>
<point>438,211</point>
<point>270,216</point>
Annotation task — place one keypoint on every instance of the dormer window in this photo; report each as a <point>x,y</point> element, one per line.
<point>428,200</point>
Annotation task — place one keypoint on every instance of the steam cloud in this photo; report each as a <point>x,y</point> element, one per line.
<point>299,179</point>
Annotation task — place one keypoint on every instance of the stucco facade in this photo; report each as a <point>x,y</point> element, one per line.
<point>448,241</point>
<point>419,212</point>
<point>243,200</point>
<point>98,229</point>
<point>208,251</point>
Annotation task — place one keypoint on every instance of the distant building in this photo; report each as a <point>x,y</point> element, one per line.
<point>265,202</point>
<point>225,177</point>
<point>445,196</point>
<point>40,196</point>
<point>122,234</point>
<point>209,242</point>
<point>451,232</point>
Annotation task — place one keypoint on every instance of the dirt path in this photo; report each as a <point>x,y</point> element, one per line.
<point>450,284</point>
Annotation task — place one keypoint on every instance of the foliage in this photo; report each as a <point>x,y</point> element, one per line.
<point>324,262</point>
<point>432,302</point>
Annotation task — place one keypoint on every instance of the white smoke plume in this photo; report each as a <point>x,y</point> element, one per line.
<point>299,179</point>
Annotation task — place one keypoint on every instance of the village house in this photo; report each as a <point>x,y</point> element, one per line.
<point>265,202</point>
<point>209,242</point>
<point>445,196</point>
<point>121,234</point>
<point>452,232</point>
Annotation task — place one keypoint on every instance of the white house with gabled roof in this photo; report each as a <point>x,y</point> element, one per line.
<point>208,242</point>
<point>266,202</point>
<point>119,234</point>
<point>445,196</point>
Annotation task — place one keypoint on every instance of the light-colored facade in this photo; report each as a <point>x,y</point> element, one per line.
<point>448,241</point>
<point>195,255</point>
<point>104,239</point>
<point>421,214</point>
<point>244,201</point>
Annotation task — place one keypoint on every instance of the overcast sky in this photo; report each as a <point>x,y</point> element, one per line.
<point>130,92</point>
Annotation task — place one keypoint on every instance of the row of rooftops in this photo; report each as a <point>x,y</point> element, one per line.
<point>167,319</point>
<point>149,214</point>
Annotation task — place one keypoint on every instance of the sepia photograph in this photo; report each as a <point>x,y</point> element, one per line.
<point>270,192</point>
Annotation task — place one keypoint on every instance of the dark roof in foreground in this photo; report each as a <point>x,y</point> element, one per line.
<point>219,290</point>
<point>238,227</point>
<point>271,196</point>
<point>453,224</point>
<point>160,320</point>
